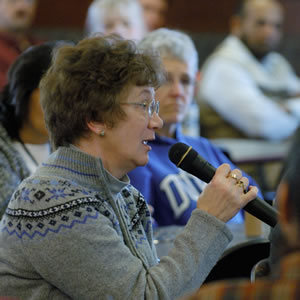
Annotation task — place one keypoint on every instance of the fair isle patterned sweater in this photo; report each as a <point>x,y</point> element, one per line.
<point>73,231</point>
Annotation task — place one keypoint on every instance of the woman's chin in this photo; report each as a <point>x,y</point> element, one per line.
<point>142,162</point>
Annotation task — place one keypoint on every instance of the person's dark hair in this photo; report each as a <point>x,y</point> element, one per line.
<point>239,8</point>
<point>24,76</point>
<point>85,83</point>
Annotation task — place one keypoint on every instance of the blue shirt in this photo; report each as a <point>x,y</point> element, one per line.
<point>172,192</point>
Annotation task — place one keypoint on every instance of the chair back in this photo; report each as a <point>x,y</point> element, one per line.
<point>238,261</point>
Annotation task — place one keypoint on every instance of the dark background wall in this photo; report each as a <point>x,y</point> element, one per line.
<point>205,20</point>
<point>212,16</point>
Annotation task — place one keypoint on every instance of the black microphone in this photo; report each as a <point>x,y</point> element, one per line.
<point>186,158</point>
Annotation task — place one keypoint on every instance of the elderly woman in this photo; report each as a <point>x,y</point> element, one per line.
<point>23,135</point>
<point>77,228</point>
<point>172,192</point>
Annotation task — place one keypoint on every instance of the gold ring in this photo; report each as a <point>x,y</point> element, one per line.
<point>234,176</point>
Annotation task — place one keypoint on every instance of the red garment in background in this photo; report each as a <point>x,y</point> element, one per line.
<point>10,48</point>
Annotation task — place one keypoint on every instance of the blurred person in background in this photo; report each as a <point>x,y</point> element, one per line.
<point>170,191</point>
<point>16,17</point>
<point>122,17</point>
<point>155,12</point>
<point>248,89</point>
<point>23,135</point>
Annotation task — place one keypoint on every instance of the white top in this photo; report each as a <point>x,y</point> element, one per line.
<point>232,84</point>
<point>39,152</point>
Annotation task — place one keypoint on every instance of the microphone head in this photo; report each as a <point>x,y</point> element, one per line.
<point>177,152</point>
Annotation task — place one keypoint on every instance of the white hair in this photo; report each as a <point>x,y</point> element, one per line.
<point>99,8</point>
<point>172,43</point>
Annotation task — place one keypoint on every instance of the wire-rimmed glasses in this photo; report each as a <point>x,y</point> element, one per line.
<point>151,107</point>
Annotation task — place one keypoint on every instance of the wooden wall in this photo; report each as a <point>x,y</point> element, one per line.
<point>191,15</point>
<point>61,13</point>
<point>213,16</point>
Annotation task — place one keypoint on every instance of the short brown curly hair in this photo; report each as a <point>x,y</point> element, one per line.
<point>85,81</point>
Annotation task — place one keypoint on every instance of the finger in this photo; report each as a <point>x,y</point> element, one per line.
<point>250,194</point>
<point>223,170</point>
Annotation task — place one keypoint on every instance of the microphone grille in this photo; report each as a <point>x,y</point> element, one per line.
<point>178,150</point>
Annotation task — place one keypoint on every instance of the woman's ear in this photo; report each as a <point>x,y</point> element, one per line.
<point>96,127</point>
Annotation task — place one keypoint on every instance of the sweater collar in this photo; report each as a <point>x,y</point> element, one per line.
<point>84,168</point>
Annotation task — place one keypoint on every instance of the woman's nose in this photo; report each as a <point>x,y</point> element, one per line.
<point>176,88</point>
<point>156,121</point>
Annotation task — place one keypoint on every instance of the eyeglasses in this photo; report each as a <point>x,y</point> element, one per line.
<point>150,107</point>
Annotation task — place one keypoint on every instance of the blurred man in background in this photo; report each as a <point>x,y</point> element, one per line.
<point>248,90</point>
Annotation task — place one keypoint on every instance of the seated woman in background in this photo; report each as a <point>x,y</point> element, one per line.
<point>77,228</point>
<point>170,191</point>
<point>23,135</point>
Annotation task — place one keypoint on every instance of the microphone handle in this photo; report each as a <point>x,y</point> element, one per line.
<point>270,217</point>
<point>259,208</point>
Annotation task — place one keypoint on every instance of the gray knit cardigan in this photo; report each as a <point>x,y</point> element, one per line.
<point>73,231</point>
